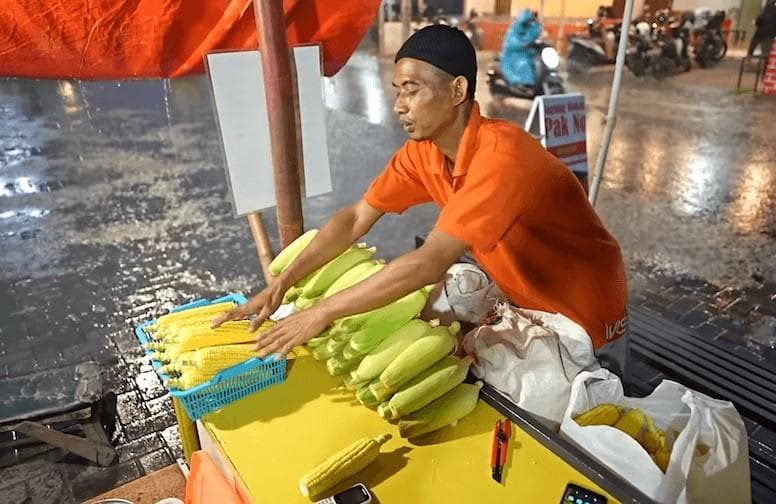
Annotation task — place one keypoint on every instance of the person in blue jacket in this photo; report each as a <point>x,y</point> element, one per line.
<point>517,55</point>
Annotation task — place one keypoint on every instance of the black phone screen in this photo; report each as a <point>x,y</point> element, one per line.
<point>354,495</point>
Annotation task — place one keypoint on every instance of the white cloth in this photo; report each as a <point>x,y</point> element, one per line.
<point>690,418</point>
<point>532,357</point>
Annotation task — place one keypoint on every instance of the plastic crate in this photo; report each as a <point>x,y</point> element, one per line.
<point>230,384</point>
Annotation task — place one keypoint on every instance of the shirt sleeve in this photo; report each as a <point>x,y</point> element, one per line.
<point>399,186</point>
<point>488,204</point>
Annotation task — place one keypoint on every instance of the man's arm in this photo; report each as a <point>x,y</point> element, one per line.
<point>401,276</point>
<point>340,231</point>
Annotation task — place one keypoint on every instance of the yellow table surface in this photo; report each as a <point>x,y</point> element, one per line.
<point>274,436</point>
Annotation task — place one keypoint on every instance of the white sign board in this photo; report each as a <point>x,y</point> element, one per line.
<point>237,84</point>
<point>562,128</point>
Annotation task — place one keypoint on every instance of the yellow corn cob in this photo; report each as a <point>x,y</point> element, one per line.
<point>327,274</point>
<point>416,358</point>
<point>288,254</point>
<point>653,438</point>
<point>354,275</point>
<point>446,410</point>
<point>210,309</point>
<point>430,385</point>
<point>378,359</point>
<point>603,414</point>
<point>393,315</point>
<point>205,337</point>
<point>341,466</point>
<point>205,363</point>
<point>632,422</point>
<point>662,457</point>
<point>177,330</point>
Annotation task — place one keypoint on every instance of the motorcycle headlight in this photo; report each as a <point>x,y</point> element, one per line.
<point>550,58</point>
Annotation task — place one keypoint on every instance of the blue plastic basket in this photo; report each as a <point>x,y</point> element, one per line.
<point>230,384</point>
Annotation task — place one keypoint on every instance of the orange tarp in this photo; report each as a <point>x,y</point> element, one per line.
<point>104,39</point>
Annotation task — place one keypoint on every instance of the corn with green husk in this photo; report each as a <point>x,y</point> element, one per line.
<point>291,252</point>
<point>327,274</point>
<point>354,275</point>
<point>430,385</point>
<point>341,466</point>
<point>338,364</point>
<point>397,313</point>
<point>446,410</point>
<point>378,359</point>
<point>416,358</point>
<point>365,396</point>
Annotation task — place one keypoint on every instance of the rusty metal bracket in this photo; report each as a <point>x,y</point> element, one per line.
<point>95,447</point>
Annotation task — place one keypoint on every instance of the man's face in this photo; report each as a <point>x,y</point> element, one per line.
<point>424,98</point>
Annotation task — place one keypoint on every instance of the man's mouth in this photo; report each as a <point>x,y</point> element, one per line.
<point>408,126</point>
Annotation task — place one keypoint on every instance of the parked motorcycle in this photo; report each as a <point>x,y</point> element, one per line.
<point>598,47</point>
<point>548,80</point>
<point>672,38</point>
<point>641,51</point>
<point>709,46</point>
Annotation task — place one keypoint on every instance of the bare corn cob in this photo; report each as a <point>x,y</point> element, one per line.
<point>206,337</point>
<point>341,465</point>
<point>191,312</point>
<point>207,362</point>
<point>632,422</point>
<point>603,414</point>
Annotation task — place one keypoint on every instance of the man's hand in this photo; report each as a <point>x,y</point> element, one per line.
<point>262,305</point>
<point>292,331</point>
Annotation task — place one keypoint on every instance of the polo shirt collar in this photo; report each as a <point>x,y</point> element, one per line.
<point>468,145</point>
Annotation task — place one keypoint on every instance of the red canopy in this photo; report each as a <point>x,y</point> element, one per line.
<point>108,39</point>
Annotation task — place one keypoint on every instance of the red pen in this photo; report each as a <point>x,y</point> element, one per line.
<point>502,431</point>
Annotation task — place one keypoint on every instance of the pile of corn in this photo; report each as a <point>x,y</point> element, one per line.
<point>394,362</point>
<point>634,423</point>
<point>192,352</point>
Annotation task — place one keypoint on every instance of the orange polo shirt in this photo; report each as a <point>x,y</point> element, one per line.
<point>524,216</point>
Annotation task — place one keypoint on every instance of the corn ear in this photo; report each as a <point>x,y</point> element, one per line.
<point>394,314</point>
<point>354,275</point>
<point>446,410</point>
<point>632,422</point>
<point>327,274</point>
<point>416,358</point>
<point>653,438</point>
<point>341,465</point>
<point>322,352</point>
<point>378,359</point>
<point>291,252</point>
<point>303,303</point>
<point>365,396</point>
<point>384,410</point>
<point>430,385</point>
<point>206,310</point>
<point>205,363</point>
<point>603,414</point>
<point>661,458</point>
<point>338,365</point>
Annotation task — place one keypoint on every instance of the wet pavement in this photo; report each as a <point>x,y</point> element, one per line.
<point>113,207</point>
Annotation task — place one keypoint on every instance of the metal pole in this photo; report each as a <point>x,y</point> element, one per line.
<point>263,247</point>
<point>381,29</point>
<point>541,12</point>
<point>279,87</point>
<point>406,18</point>
<point>611,116</point>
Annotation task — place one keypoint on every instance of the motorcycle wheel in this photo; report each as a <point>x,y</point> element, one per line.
<point>686,64</point>
<point>636,66</point>
<point>660,69</point>
<point>578,61</point>
<point>722,52</point>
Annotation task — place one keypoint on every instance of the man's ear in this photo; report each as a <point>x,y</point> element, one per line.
<point>460,90</point>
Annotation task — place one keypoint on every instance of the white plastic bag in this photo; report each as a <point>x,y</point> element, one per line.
<point>466,294</point>
<point>532,357</point>
<point>719,476</point>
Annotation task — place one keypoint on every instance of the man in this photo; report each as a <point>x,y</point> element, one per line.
<point>520,211</point>
<point>765,30</point>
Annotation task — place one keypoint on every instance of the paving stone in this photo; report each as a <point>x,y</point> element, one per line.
<point>160,405</point>
<point>51,488</point>
<point>14,494</point>
<point>89,481</point>
<point>684,304</point>
<point>130,408</point>
<point>709,330</point>
<point>695,317</point>
<point>172,438</point>
<point>139,447</point>
<point>145,425</point>
<point>150,385</point>
<point>155,461</point>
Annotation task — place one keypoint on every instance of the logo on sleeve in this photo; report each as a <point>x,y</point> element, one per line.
<point>616,330</point>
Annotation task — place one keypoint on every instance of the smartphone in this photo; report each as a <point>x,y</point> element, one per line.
<point>357,494</point>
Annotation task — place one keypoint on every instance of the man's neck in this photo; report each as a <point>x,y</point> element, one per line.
<point>450,137</point>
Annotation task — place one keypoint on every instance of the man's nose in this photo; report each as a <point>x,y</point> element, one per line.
<point>400,106</point>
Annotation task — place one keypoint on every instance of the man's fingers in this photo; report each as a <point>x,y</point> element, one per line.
<point>260,318</point>
<point>270,334</point>
<point>235,314</point>
<point>274,346</point>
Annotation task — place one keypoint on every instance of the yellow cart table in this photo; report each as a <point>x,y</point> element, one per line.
<point>268,440</point>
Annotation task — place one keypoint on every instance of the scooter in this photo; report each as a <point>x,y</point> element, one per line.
<point>548,80</point>
<point>672,39</point>
<point>596,48</point>
<point>641,51</point>
<point>709,46</point>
